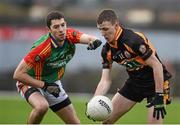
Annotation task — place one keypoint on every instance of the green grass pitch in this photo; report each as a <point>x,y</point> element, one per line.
<point>14,110</point>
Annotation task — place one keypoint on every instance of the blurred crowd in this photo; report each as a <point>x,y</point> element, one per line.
<point>161,14</point>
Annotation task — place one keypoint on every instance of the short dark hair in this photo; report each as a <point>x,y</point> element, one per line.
<point>53,15</point>
<point>107,15</point>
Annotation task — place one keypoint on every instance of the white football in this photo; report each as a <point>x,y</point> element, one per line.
<point>99,108</point>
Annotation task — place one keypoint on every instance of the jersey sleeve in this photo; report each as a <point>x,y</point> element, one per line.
<point>106,58</point>
<point>37,54</point>
<point>73,35</point>
<point>141,46</point>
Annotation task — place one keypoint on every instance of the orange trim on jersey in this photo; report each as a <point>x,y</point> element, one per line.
<point>60,73</point>
<point>140,60</point>
<point>43,50</point>
<point>129,49</point>
<point>39,65</point>
<point>109,57</point>
<point>143,36</point>
<point>38,70</point>
<point>118,33</point>
<point>116,36</point>
<point>46,49</point>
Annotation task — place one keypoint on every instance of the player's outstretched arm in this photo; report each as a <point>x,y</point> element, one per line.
<point>92,41</point>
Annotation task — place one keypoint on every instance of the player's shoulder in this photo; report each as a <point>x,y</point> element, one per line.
<point>72,31</point>
<point>73,35</point>
<point>130,34</point>
<point>42,40</point>
<point>131,37</point>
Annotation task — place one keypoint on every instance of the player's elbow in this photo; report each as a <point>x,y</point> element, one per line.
<point>16,75</point>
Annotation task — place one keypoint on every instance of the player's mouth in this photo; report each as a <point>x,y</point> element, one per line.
<point>106,38</point>
<point>61,36</point>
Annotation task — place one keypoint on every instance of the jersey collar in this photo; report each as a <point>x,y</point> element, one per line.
<point>116,36</point>
<point>54,41</point>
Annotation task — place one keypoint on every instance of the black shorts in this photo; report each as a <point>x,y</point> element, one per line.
<point>136,90</point>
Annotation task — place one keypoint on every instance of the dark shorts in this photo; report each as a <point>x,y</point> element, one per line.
<point>138,90</point>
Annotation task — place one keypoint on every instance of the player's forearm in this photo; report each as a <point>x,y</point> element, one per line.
<point>153,62</point>
<point>28,80</point>
<point>102,88</point>
<point>86,39</point>
<point>158,77</point>
<point>21,75</point>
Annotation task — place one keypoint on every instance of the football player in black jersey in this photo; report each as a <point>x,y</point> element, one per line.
<point>148,77</point>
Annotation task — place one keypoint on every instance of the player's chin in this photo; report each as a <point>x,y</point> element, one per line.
<point>110,41</point>
<point>61,38</point>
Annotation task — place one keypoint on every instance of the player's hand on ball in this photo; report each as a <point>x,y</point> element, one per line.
<point>158,103</point>
<point>52,88</point>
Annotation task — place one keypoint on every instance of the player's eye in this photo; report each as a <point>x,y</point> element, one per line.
<point>56,26</point>
<point>105,29</point>
<point>63,25</point>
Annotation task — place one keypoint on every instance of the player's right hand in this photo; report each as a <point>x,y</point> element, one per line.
<point>94,44</point>
<point>52,88</point>
<point>158,103</point>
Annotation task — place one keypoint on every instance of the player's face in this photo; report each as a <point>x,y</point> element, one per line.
<point>107,30</point>
<point>58,29</point>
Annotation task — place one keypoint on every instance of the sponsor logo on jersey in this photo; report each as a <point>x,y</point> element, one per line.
<point>60,63</point>
<point>118,56</point>
<point>127,54</point>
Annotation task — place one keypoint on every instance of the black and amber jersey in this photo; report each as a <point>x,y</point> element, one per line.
<point>131,49</point>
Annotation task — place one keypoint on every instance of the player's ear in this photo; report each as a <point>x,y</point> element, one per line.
<point>116,25</point>
<point>66,24</point>
<point>48,29</point>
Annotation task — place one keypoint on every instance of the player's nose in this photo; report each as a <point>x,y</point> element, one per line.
<point>60,29</point>
<point>103,33</point>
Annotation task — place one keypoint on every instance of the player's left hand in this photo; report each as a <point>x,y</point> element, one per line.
<point>89,117</point>
<point>52,88</point>
<point>94,44</point>
<point>158,103</point>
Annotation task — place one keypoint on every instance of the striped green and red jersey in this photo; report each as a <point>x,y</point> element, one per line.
<point>48,60</point>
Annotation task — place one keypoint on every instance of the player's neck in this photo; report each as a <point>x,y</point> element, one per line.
<point>59,42</point>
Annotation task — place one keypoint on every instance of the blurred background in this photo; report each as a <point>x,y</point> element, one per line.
<point>23,21</point>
